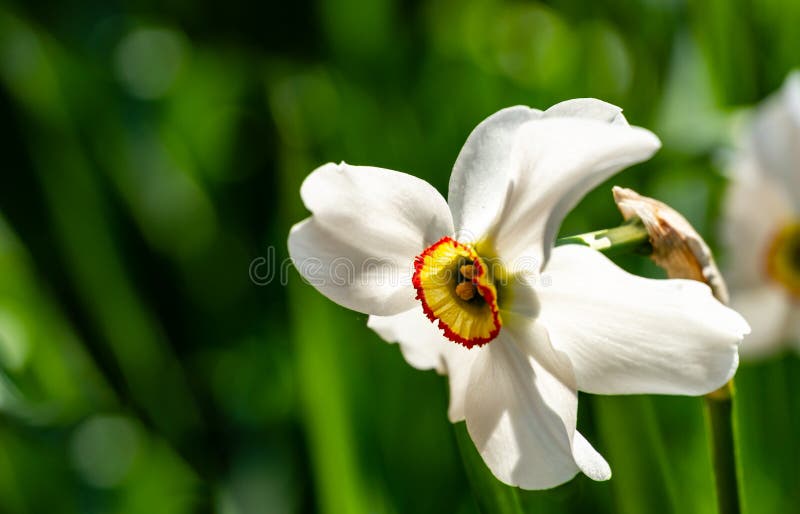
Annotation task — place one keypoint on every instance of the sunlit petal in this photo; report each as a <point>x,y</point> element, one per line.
<point>368,224</point>
<point>557,161</point>
<point>628,335</point>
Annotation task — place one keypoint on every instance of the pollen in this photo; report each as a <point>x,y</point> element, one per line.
<point>783,258</point>
<point>456,290</point>
<point>465,291</point>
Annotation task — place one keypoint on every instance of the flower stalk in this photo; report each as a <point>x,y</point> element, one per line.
<point>719,408</point>
<point>630,237</point>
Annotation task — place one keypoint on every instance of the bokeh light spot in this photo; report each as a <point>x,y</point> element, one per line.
<point>103,448</point>
<point>14,341</point>
<point>148,61</point>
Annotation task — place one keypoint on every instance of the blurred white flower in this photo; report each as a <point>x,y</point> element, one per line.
<point>761,225</point>
<point>525,346</point>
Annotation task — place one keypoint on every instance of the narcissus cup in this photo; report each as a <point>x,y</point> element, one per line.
<point>473,288</point>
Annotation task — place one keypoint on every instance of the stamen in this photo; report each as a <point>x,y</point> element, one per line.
<point>465,290</point>
<point>457,292</point>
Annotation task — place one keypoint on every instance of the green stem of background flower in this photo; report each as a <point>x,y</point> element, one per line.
<point>632,237</point>
<point>719,408</point>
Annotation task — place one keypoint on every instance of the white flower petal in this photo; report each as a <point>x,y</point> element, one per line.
<point>767,309</point>
<point>589,460</point>
<point>557,161</point>
<point>521,410</point>
<point>518,294</point>
<point>424,347</point>
<point>628,335</point>
<point>791,94</point>
<point>522,439</point>
<point>775,133</point>
<point>587,108</point>
<point>358,278</point>
<point>421,342</point>
<point>481,172</point>
<point>459,364</point>
<point>368,224</point>
<point>756,208</point>
<point>794,328</point>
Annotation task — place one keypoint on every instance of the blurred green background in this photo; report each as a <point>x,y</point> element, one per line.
<point>153,358</point>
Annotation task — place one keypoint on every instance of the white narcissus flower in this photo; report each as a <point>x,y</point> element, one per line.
<point>761,224</point>
<point>458,285</point>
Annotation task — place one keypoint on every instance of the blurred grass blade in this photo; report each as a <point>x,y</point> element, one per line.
<point>324,408</point>
<point>630,433</point>
<point>726,37</point>
<point>321,376</point>
<point>153,377</point>
<point>493,496</point>
<point>767,421</point>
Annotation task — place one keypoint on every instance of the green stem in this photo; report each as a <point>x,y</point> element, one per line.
<point>325,409</point>
<point>641,481</point>
<point>630,237</point>
<point>493,496</point>
<point>719,406</point>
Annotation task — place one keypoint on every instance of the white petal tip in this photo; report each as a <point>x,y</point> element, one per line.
<point>599,475</point>
<point>739,325</point>
<point>649,139</point>
<point>590,462</point>
<point>588,108</point>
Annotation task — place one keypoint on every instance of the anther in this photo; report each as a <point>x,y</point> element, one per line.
<point>465,290</point>
<point>468,271</point>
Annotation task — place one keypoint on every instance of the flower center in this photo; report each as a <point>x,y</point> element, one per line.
<point>783,258</point>
<point>455,287</point>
